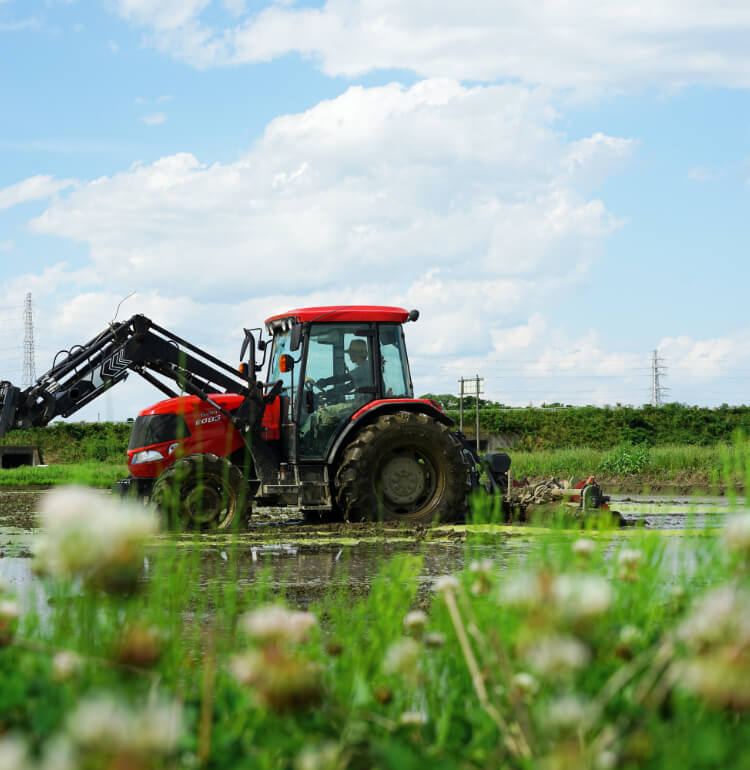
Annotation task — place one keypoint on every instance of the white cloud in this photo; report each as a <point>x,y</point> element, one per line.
<point>32,189</point>
<point>467,203</point>
<point>561,43</point>
<point>20,25</point>
<point>387,181</point>
<point>113,46</point>
<point>155,119</point>
<point>6,245</point>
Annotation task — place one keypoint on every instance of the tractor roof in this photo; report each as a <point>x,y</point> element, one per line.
<point>341,313</point>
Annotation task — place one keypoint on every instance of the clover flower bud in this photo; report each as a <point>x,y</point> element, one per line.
<point>525,684</point>
<point>567,714</point>
<point>434,639</point>
<point>556,656</point>
<point>445,583</point>
<point>736,534</point>
<point>324,756</point>
<point>14,753</point>
<point>413,719</point>
<point>415,622</point>
<point>584,548</point>
<point>581,598</point>
<point>275,624</point>
<point>65,664</point>
<point>629,560</point>
<point>402,657</point>
<point>9,614</point>
<point>522,592</point>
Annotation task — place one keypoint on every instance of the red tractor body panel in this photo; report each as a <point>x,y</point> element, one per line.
<point>382,401</point>
<point>343,313</point>
<point>208,431</point>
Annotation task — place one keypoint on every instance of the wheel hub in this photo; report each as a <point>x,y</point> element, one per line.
<point>203,504</point>
<point>403,480</point>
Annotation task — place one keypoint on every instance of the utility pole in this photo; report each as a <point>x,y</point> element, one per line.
<point>478,391</point>
<point>461,405</point>
<point>657,371</point>
<point>469,386</point>
<point>29,369</point>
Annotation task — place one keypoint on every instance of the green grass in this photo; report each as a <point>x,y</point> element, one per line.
<point>638,712</point>
<point>686,464</point>
<point>89,474</point>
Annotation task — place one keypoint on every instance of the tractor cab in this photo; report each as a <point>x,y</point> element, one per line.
<point>334,362</point>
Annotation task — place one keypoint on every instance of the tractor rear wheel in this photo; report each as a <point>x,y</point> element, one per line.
<point>200,492</point>
<point>403,467</point>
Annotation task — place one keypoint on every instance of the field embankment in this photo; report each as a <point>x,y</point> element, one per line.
<point>75,442</point>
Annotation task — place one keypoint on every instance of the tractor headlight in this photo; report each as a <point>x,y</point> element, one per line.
<point>146,456</point>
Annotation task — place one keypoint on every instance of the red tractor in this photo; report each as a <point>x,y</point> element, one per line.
<point>334,427</point>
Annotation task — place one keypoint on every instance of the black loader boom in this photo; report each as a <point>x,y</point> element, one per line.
<point>84,372</point>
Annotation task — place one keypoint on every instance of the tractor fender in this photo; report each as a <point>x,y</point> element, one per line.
<point>370,412</point>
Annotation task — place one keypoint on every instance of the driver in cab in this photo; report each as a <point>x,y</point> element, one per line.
<point>361,372</point>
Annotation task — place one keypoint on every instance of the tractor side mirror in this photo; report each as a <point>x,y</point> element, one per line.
<point>249,342</point>
<point>296,337</point>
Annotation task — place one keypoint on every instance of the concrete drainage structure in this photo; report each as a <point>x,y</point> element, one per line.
<point>16,456</point>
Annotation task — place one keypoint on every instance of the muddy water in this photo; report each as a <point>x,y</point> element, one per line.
<point>306,559</point>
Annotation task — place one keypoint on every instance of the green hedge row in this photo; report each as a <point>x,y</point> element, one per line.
<point>536,428</point>
<point>75,442</point>
<point>540,428</point>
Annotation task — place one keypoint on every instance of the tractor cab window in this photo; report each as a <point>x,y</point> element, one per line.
<point>339,379</point>
<point>394,363</point>
<point>280,347</point>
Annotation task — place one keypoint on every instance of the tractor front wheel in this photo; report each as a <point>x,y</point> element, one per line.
<point>403,467</point>
<point>199,492</point>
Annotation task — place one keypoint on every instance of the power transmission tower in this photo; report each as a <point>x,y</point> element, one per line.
<point>29,369</point>
<point>657,371</point>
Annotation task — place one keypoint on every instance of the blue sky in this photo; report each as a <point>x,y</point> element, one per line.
<point>560,193</point>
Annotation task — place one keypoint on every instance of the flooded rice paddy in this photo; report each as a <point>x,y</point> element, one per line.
<point>306,559</point>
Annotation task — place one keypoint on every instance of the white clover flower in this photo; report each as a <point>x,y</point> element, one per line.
<point>719,616</point>
<point>434,639</point>
<point>525,683</point>
<point>9,609</point>
<point>100,722</point>
<point>445,583</point>
<point>605,760</point>
<point>557,655</point>
<point>413,719</point>
<point>59,754</point>
<point>630,636</point>
<point>156,728</point>
<point>630,558</point>
<point>736,534</point>
<point>65,664</point>
<point>584,547</point>
<point>402,657</point>
<point>521,591</point>
<point>246,666</point>
<point>93,536</point>
<point>482,566</point>
<point>581,597</point>
<point>276,624</point>
<point>568,713</point>
<point>325,756</point>
<point>415,621</point>
<point>14,753</point>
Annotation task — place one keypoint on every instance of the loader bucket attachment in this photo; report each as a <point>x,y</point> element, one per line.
<point>8,406</point>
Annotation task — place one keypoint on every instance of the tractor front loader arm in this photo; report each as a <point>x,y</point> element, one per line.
<point>85,371</point>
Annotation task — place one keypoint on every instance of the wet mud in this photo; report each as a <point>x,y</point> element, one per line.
<point>304,559</point>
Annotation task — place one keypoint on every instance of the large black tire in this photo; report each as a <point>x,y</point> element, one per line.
<point>200,492</point>
<point>403,467</point>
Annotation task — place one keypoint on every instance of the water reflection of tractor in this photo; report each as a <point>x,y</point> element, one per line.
<point>333,429</point>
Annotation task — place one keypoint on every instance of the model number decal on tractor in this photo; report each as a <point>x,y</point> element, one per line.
<point>210,418</point>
